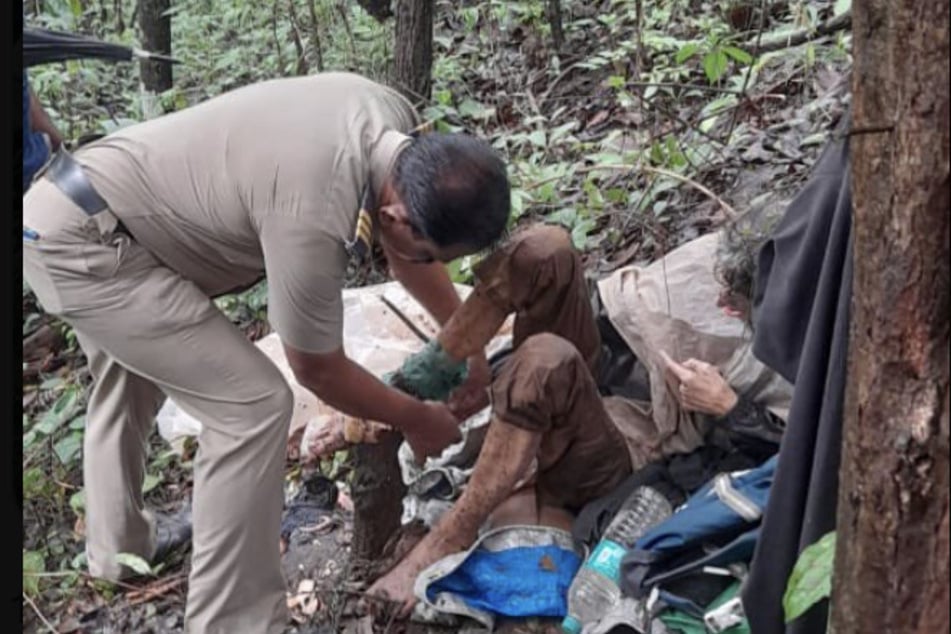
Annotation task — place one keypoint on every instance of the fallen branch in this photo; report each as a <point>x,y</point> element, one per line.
<point>39,614</point>
<point>838,23</point>
<point>657,170</point>
<point>155,590</point>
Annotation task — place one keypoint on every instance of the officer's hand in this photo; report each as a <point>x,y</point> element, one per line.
<point>438,428</point>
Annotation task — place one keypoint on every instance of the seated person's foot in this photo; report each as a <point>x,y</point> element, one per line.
<point>173,532</point>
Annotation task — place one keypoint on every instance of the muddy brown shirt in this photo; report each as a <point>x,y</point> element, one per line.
<point>265,179</point>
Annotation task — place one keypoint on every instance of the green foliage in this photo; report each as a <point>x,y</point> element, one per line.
<point>811,578</point>
<point>34,565</point>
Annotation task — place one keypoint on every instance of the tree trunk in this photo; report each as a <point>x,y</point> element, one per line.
<point>315,35</point>
<point>554,21</point>
<point>891,569</point>
<point>120,22</point>
<point>379,9</point>
<point>378,491</point>
<point>156,38</point>
<point>413,53</point>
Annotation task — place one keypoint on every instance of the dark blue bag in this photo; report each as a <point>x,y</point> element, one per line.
<point>691,557</point>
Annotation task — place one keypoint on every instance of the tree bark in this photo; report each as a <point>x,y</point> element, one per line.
<point>555,22</point>
<point>315,34</point>
<point>413,54</point>
<point>156,38</point>
<point>891,568</point>
<point>378,491</point>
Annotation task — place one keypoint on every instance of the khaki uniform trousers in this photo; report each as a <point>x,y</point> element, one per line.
<point>149,333</point>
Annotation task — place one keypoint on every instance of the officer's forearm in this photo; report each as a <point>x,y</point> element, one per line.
<point>430,285</point>
<point>348,387</point>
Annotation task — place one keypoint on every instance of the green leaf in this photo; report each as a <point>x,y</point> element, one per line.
<point>62,410</point>
<point>34,564</point>
<point>686,52</point>
<point>34,482</point>
<point>811,578</point>
<point>518,200</point>
<point>566,217</point>
<point>76,7</point>
<point>579,233</point>
<point>537,138</point>
<point>841,6</point>
<point>562,131</point>
<point>151,481</point>
<point>616,81</point>
<point>714,65</point>
<point>135,563</point>
<point>68,447</point>
<point>29,438</point>
<point>738,54</point>
<point>77,502</point>
<point>474,109</point>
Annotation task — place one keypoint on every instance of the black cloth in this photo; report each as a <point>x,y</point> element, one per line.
<point>801,324</point>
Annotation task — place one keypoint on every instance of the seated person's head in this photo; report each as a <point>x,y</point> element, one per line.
<point>452,195</point>
<point>737,254</point>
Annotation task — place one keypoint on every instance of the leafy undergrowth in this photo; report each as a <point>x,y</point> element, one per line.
<point>644,129</point>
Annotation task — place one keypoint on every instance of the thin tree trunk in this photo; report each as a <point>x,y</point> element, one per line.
<point>156,29</point>
<point>120,22</point>
<point>281,67</point>
<point>301,68</point>
<point>554,20</point>
<point>413,53</point>
<point>315,34</point>
<point>891,569</point>
<point>378,491</point>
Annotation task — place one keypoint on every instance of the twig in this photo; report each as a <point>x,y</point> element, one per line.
<point>838,23</point>
<point>315,30</point>
<point>638,32</point>
<point>657,170</point>
<point>406,320</point>
<point>749,70</point>
<point>39,614</point>
<point>156,590</point>
<point>554,82</point>
<point>686,124</point>
<point>277,40</point>
<point>671,84</point>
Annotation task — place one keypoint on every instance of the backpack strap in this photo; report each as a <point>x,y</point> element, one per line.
<point>739,503</point>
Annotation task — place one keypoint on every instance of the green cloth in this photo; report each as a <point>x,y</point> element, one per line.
<point>430,374</point>
<point>682,623</point>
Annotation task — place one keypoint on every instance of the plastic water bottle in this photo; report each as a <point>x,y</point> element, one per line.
<point>595,588</point>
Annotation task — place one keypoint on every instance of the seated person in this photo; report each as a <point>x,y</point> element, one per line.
<point>555,441</point>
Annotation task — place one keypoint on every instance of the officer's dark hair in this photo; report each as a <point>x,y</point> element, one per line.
<point>455,190</point>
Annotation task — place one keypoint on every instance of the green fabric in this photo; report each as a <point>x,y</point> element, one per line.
<point>429,374</point>
<point>682,623</point>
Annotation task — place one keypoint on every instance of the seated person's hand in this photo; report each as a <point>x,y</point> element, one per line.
<point>473,395</point>
<point>437,429</point>
<point>700,387</point>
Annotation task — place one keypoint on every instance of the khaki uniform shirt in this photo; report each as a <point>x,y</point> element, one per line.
<point>263,180</point>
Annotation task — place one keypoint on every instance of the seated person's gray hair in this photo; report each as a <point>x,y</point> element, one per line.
<point>740,243</point>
